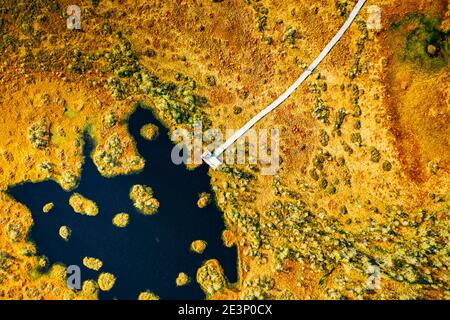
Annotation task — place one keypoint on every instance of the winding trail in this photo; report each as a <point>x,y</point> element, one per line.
<point>212,158</point>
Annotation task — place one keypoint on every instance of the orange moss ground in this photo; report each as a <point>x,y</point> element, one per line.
<point>333,210</point>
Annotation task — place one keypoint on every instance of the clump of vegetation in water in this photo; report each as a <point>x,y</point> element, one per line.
<point>121,220</point>
<point>426,44</point>
<point>228,238</point>
<point>147,295</point>
<point>89,288</point>
<point>149,131</point>
<point>92,263</point>
<point>143,200</point>
<point>83,205</point>
<point>210,277</point>
<point>65,232</point>
<point>39,135</point>
<point>182,279</point>
<point>204,200</point>
<point>198,246</point>
<point>106,281</point>
<point>47,207</point>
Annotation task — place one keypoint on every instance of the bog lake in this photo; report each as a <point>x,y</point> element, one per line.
<point>150,252</point>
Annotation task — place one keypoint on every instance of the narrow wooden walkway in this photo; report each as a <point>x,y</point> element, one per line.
<point>212,158</point>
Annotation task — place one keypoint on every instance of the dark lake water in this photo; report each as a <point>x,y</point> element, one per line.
<point>151,251</point>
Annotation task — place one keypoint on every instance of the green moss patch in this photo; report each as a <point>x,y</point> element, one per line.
<point>424,42</point>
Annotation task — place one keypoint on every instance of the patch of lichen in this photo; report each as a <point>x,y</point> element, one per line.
<point>147,295</point>
<point>82,205</point>
<point>143,199</point>
<point>211,278</point>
